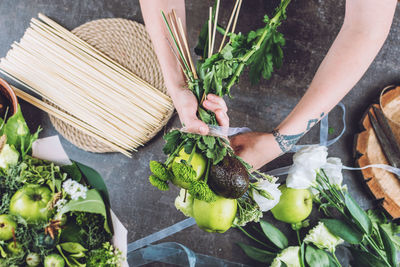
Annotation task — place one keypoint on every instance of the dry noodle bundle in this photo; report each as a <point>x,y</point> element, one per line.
<point>96,95</point>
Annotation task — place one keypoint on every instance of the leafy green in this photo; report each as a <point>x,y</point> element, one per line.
<point>343,230</point>
<point>316,257</point>
<point>91,231</point>
<point>107,256</point>
<point>365,259</point>
<point>358,214</point>
<point>18,133</point>
<point>389,247</point>
<point>391,228</point>
<point>172,141</point>
<point>94,179</point>
<point>257,254</point>
<point>274,235</point>
<point>93,203</point>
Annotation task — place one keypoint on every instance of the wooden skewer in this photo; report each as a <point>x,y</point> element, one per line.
<point>187,48</point>
<point>96,95</point>
<point>209,32</point>
<point>229,25</point>
<point>236,16</point>
<point>215,26</point>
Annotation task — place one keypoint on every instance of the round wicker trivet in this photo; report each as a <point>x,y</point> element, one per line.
<point>128,43</point>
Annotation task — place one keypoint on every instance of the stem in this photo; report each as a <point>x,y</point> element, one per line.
<point>208,170</point>
<point>336,259</point>
<point>172,156</point>
<point>298,236</point>
<point>192,154</point>
<point>372,243</point>
<point>252,237</point>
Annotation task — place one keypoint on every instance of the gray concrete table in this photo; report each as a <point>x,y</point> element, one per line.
<point>310,29</point>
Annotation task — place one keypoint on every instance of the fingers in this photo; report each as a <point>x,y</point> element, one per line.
<point>194,125</point>
<point>214,103</point>
<point>222,118</point>
<point>217,105</point>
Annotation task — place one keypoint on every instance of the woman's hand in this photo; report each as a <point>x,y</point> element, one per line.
<point>256,148</point>
<point>217,105</point>
<point>186,106</point>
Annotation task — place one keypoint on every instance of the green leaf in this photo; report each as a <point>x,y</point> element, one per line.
<point>343,230</point>
<point>274,235</point>
<point>73,171</point>
<point>204,115</point>
<point>209,141</point>
<point>316,257</point>
<point>358,214</point>
<point>72,247</point>
<point>93,203</point>
<point>95,180</point>
<point>173,140</point>
<point>18,133</point>
<point>365,259</point>
<point>389,247</point>
<point>257,254</point>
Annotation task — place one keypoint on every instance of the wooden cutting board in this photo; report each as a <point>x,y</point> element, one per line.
<point>383,185</point>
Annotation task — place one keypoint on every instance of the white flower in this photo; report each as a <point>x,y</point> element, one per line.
<point>184,205</point>
<point>289,256</point>
<point>306,162</point>
<point>60,204</point>
<point>265,194</point>
<point>321,237</point>
<point>333,170</point>
<point>74,189</point>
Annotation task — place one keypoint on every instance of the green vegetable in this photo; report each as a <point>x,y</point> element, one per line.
<point>18,133</point>
<point>157,182</point>
<point>107,256</point>
<point>45,241</point>
<point>54,260</point>
<point>183,174</point>
<point>15,248</point>
<point>92,233</point>
<point>160,171</point>
<point>200,190</point>
<point>8,156</point>
<point>32,259</point>
<point>93,203</point>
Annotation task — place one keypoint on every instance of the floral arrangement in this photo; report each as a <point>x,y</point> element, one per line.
<point>50,215</point>
<point>369,236</point>
<point>211,176</point>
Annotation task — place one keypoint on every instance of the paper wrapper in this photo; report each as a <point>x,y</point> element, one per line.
<point>50,149</point>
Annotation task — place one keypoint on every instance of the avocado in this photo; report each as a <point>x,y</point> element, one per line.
<point>229,178</point>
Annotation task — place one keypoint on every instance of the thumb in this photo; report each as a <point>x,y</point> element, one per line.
<point>194,125</point>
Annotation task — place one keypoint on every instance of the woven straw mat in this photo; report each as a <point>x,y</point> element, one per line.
<point>128,43</point>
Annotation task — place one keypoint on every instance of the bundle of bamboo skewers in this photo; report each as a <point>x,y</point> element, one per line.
<point>93,93</point>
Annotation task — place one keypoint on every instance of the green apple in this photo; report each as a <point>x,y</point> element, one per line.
<point>7,224</point>
<point>15,248</point>
<point>294,206</point>
<point>54,260</point>
<point>215,216</point>
<point>30,202</point>
<point>198,163</point>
